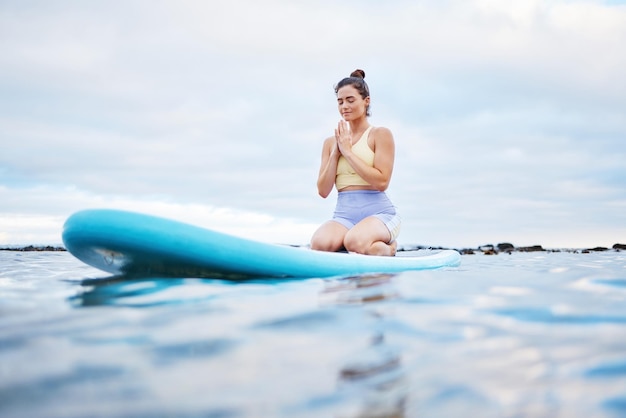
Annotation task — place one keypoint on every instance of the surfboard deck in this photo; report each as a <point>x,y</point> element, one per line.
<point>139,245</point>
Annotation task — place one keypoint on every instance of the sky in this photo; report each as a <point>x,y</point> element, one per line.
<point>509,117</point>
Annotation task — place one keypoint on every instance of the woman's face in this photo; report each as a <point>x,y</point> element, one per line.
<point>350,103</point>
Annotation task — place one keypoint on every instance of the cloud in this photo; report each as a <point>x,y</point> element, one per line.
<point>508,116</point>
<point>37,215</point>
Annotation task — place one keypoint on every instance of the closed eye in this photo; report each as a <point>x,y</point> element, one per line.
<point>350,99</point>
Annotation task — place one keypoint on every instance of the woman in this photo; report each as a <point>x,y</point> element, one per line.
<point>358,161</point>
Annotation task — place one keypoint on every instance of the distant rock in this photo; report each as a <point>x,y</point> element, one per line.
<point>506,247</point>
<point>619,246</point>
<point>598,249</point>
<point>530,249</point>
<point>487,247</point>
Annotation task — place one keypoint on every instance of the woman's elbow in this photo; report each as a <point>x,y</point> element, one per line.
<point>323,191</point>
<point>382,185</point>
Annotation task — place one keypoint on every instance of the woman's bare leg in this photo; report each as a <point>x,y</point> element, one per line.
<point>329,237</point>
<point>371,237</point>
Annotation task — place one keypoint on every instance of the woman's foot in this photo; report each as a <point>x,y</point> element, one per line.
<point>394,247</point>
<point>384,249</point>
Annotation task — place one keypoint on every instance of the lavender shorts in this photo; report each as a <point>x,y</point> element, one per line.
<point>355,205</point>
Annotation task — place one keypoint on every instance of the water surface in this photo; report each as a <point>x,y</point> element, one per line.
<point>520,335</point>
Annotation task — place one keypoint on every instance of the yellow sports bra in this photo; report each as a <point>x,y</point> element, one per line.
<point>346,176</point>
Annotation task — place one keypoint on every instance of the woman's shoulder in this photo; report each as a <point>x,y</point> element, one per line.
<point>328,142</point>
<point>381,132</point>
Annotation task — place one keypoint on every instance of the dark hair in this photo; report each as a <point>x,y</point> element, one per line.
<point>357,80</point>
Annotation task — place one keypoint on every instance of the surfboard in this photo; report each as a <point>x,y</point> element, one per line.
<point>140,245</point>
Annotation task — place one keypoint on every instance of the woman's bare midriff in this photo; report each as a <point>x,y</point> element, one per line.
<point>351,188</point>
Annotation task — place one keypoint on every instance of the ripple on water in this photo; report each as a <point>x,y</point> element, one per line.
<point>616,404</point>
<point>553,316</point>
<point>608,369</point>
<point>620,283</point>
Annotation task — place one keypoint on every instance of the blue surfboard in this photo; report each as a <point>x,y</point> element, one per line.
<point>139,245</point>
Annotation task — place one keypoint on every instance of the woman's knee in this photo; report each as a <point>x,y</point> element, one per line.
<point>328,238</point>
<point>355,242</point>
<point>321,243</point>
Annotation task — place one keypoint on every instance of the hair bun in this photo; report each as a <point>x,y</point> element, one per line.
<point>358,74</point>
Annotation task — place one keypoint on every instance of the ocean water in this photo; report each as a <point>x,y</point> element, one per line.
<point>519,335</point>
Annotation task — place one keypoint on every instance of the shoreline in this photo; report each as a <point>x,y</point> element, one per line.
<point>507,248</point>
<point>487,249</point>
<point>29,248</point>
